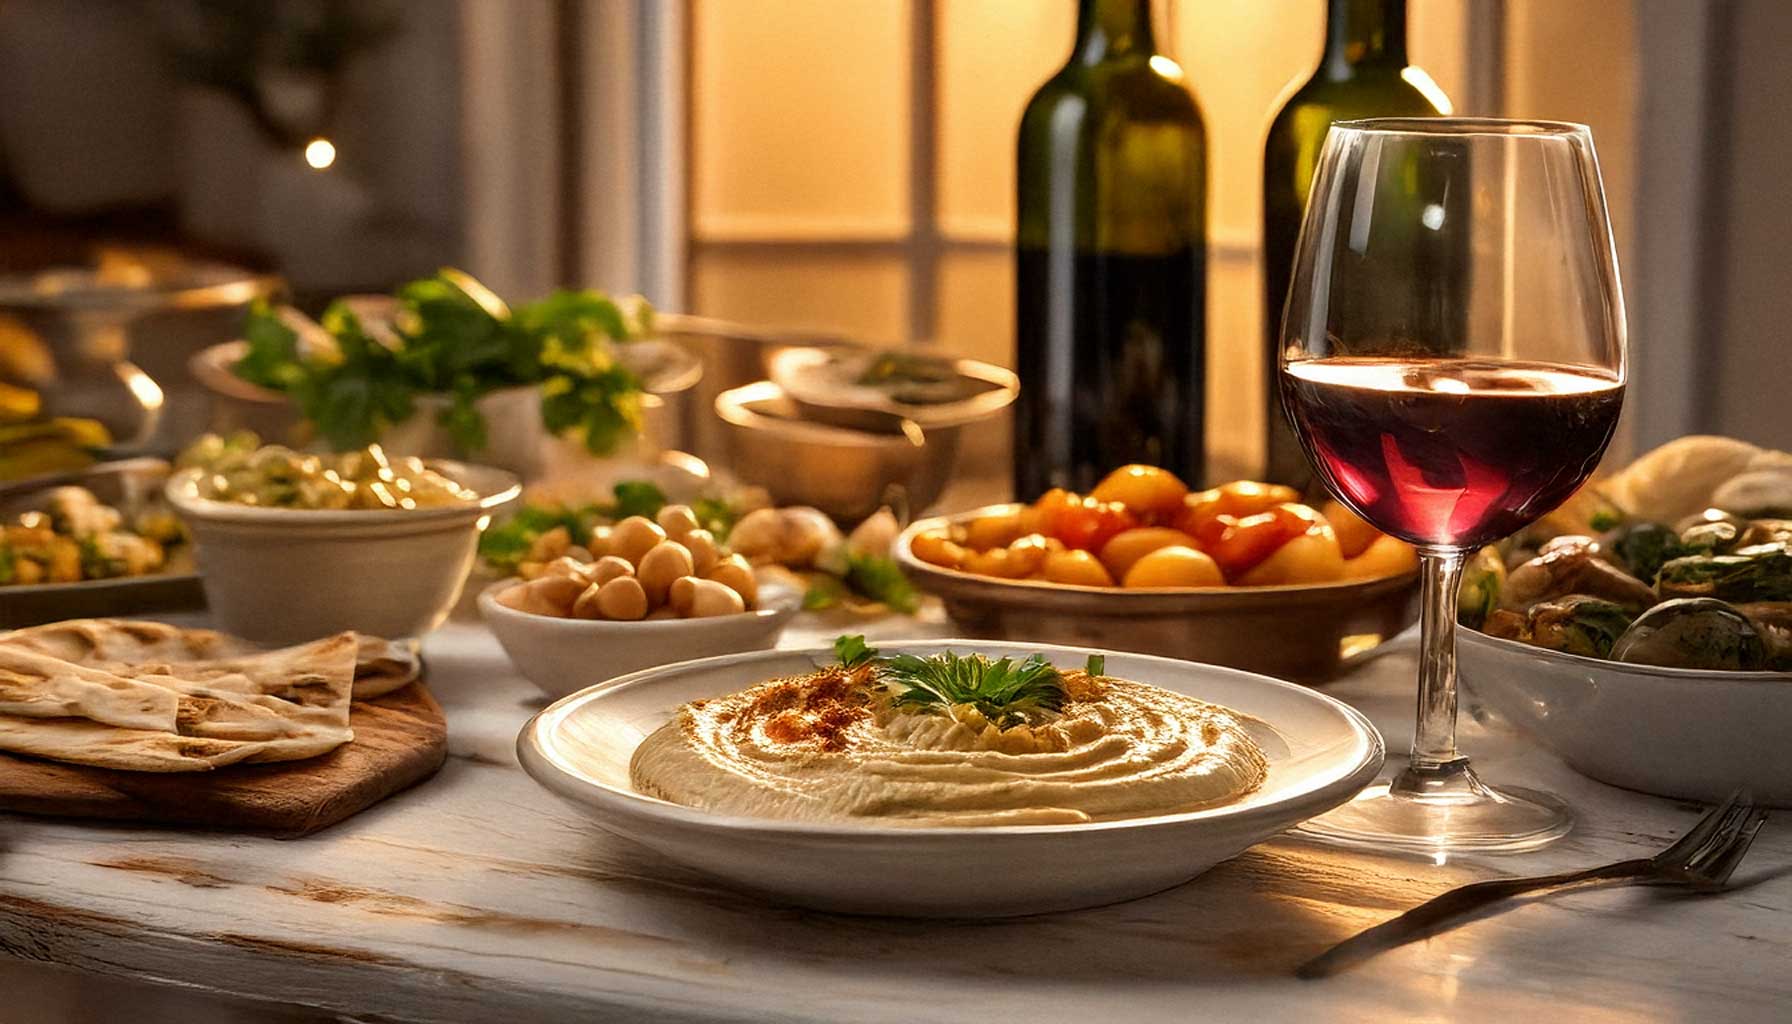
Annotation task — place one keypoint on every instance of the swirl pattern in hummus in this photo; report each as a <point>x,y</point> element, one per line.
<point>830,747</point>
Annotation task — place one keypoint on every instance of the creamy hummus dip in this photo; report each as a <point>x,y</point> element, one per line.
<point>834,746</point>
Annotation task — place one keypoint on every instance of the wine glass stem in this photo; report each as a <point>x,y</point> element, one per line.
<point>1434,758</point>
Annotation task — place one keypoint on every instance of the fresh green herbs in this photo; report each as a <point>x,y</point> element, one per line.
<point>1097,666</point>
<point>874,577</point>
<point>508,544</point>
<point>453,338</point>
<point>1006,691</point>
<point>852,650</point>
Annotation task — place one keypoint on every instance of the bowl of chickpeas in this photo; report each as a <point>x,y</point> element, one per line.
<point>1244,574</point>
<point>292,546</point>
<point>633,595</point>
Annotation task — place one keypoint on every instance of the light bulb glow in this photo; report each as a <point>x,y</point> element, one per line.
<point>320,153</point>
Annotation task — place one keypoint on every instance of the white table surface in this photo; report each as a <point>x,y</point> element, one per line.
<point>477,897</point>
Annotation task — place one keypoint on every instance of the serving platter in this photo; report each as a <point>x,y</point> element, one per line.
<point>130,482</point>
<point>1306,633</point>
<point>1321,752</point>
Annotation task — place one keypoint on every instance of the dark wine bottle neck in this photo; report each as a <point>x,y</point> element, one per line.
<point>1106,29</point>
<point>1364,33</point>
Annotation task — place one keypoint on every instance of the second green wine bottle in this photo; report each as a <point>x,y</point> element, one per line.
<point>1362,73</point>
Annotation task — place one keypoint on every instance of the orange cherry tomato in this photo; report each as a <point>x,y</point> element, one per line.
<point>1354,535</point>
<point>1088,524</point>
<point>1174,567</point>
<point>1238,544</point>
<point>1237,499</point>
<point>1119,554</point>
<point>1145,490</point>
<point>1076,567</point>
<point>1385,556</point>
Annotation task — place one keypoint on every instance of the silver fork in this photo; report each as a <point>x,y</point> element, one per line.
<point>1703,859</point>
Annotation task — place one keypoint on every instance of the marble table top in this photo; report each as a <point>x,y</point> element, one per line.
<point>477,897</point>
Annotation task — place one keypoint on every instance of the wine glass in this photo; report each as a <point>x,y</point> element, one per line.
<point>1453,360</point>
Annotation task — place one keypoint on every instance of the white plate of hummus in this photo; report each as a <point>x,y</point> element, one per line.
<point>951,778</point>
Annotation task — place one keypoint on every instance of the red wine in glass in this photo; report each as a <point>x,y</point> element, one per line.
<point>1452,452</point>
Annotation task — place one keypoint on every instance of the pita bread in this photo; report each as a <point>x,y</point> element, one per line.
<point>381,666</point>
<point>186,716</point>
<point>36,685</point>
<point>80,741</point>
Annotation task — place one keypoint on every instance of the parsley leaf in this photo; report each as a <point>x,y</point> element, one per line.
<point>852,650</point>
<point>1005,691</point>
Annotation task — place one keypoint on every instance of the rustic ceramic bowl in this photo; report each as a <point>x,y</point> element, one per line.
<point>1320,751</point>
<point>561,656</point>
<point>279,576</point>
<point>1306,633</point>
<point>846,473</point>
<point>819,398</point>
<point>1676,732</point>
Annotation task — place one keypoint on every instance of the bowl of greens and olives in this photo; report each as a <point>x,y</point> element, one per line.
<point>1655,656</point>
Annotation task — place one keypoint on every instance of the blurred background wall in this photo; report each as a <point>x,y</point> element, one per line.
<point>847,167</point>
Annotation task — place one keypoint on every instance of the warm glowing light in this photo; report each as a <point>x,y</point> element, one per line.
<point>1166,67</point>
<point>320,153</point>
<point>147,392</point>
<point>1433,217</point>
<point>1418,79</point>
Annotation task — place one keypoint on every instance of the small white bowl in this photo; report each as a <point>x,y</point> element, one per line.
<point>563,656</point>
<point>1675,732</point>
<point>283,575</point>
<point>1321,752</point>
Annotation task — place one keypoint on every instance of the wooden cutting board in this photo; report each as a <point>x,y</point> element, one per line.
<point>400,740</point>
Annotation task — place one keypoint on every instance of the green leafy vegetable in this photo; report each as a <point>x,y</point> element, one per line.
<point>1005,691</point>
<point>505,545</point>
<point>715,515</point>
<point>453,337</point>
<point>881,579</point>
<point>826,592</point>
<point>637,498</point>
<point>1098,665</point>
<point>852,650</point>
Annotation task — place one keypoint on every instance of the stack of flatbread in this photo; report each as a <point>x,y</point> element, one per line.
<point>145,696</point>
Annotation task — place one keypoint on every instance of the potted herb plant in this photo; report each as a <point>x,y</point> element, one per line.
<point>445,367</point>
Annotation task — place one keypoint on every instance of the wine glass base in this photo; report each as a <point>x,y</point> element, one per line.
<point>1463,816</point>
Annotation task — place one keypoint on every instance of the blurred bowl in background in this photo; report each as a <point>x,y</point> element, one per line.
<point>846,473</point>
<point>859,388</point>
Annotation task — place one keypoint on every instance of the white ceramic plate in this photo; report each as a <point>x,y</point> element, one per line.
<point>1321,752</point>
<point>1675,732</point>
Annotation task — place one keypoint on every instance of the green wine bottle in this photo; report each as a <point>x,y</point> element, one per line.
<point>1362,73</point>
<point>1110,262</point>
